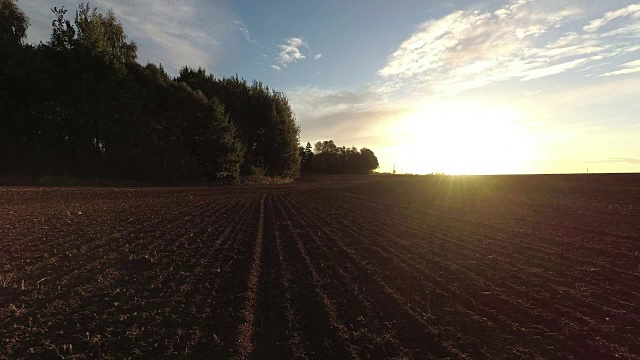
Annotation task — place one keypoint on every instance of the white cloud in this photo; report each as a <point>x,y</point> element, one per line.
<point>276,67</point>
<point>635,63</point>
<point>291,51</point>
<point>631,10</point>
<point>524,40</point>
<point>629,68</point>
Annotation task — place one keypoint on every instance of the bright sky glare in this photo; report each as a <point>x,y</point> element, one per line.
<point>459,87</point>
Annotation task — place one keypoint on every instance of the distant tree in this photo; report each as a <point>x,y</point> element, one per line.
<point>367,161</point>
<point>308,151</point>
<point>331,159</point>
<point>306,155</point>
<point>301,154</point>
<point>327,147</point>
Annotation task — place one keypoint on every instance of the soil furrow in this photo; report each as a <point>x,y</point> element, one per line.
<point>276,330</point>
<point>320,325</point>
<point>247,328</point>
<point>469,214</point>
<point>376,316</point>
<point>496,255</point>
<point>94,294</point>
<point>472,303</point>
<point>496,258</point>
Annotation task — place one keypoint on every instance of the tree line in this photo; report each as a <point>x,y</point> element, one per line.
<point>80,105</point>
<point>327,158</point>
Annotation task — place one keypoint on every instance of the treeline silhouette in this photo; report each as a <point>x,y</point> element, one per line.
<point>327,158</point>
<point>81,106</point>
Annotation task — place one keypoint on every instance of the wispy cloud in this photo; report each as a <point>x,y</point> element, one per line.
<point>626,160</point>
<point>276,67</point>
<point>245,32</point>
<point>317,56</point>
<point>632,10</point>
<point>552,70</point>
<point>522,40</point>
<point>312,102</point>
<point>174,33</point>
<point>343,115</point>
<point>629,68</point>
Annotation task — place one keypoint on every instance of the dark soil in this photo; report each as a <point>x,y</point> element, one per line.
<point>325,267</point>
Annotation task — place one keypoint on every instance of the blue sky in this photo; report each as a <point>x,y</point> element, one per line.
<point>455,86</point>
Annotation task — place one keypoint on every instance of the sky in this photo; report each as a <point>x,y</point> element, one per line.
<point>460,87</point>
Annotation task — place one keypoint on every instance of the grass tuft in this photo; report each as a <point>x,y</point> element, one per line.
<point>5,279</point>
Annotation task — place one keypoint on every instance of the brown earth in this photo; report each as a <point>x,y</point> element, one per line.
<point>326,267</point>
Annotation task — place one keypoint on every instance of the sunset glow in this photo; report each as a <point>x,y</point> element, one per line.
<point>460,138</point>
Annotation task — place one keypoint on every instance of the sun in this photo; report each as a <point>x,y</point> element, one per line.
<point>464,138</point>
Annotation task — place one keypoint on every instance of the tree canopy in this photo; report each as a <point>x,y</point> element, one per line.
<point>103,34</point>
<point>263,118</point>
<point>80,105</point>
<point>13,24</point>
<point>331,159</point>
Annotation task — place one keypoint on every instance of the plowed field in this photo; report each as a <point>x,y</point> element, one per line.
<point>325,268</point>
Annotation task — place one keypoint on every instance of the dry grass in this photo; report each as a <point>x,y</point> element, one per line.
<point>5,279</point>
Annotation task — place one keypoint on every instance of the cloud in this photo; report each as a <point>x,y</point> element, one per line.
<point>350,127</point>
<point>552,70</point>
<point>276,67</point>
<point>632,10</point>
<point>291,51</point>
<point>346,116</point>
<point>522,40</point>
<point>245,32</point>
<point>174,33</point>
<point>625,160</point>
<point>629,68</point>
<point>312,102</point>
